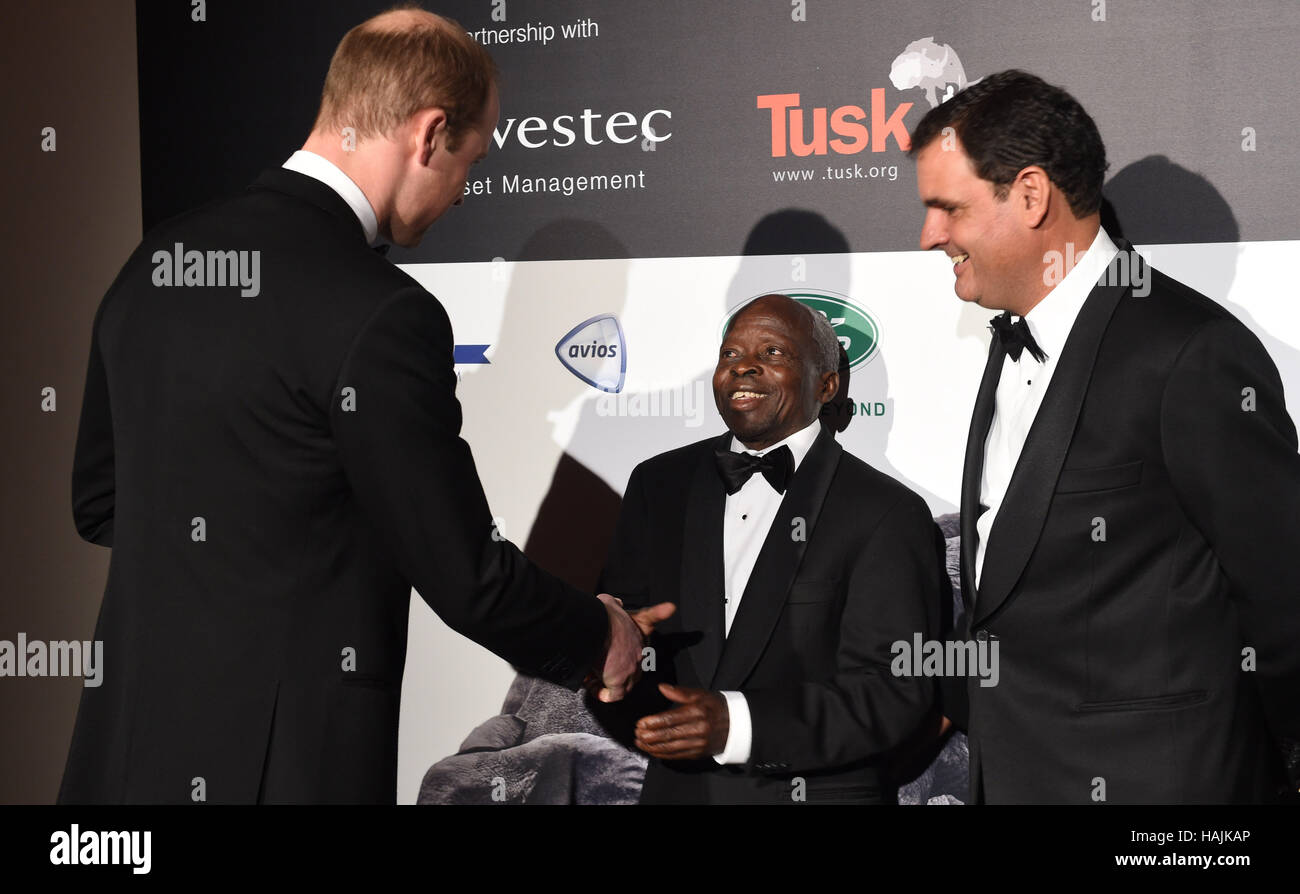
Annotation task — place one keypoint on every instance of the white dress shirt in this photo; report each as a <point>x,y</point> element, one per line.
<point>747,518</point>
<point>1023,383</point>
<point>320,168</point>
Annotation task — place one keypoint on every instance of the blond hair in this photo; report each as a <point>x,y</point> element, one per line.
<point>402,61</point>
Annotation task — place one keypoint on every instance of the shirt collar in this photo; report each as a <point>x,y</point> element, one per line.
<point>320,168</point>
<point>1051,319</point>
<point>799,443</point>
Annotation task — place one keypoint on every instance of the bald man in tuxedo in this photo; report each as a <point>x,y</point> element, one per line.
<point>797,568</point>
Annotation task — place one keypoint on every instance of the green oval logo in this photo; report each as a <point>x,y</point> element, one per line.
<point>853,325</point>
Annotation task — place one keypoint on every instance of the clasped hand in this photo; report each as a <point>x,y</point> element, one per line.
<point>627,635</point>
<point>696,728</point>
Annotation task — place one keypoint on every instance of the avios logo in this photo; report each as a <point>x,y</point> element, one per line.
<point>595,352</point>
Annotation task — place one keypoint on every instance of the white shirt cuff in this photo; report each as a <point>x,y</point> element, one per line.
<point>740,735</point>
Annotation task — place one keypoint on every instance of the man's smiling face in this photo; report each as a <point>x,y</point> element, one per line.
<point>766,383</point>
<point>978,231</point>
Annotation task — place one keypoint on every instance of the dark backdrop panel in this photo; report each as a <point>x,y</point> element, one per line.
<point>1172,84</point>
<point>223,99</point>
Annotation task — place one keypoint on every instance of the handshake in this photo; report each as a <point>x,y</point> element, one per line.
<point>624,647</point>
<point>696,727</point>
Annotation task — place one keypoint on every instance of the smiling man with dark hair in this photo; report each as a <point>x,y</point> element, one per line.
<point>1131,494</point>
<point>796,565</point>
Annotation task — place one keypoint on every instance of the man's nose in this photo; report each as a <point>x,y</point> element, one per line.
<point>933,232</point>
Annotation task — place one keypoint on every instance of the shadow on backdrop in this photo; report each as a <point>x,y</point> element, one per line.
<point>1155,201</point>
<point>571,534</point>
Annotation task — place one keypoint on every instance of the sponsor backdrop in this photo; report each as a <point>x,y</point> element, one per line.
<point>659,163</point>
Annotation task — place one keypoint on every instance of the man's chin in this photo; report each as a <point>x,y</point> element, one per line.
<point>746,433</point>
<point>979,301</point>
<point>758,438</point>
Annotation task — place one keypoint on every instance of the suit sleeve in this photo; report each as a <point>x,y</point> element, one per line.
<point>1231,455</point>
<point>625,574</point>
<point>93,482</point>
<point>414,478</point>
<point>954,695</point>
<point>864,710</point>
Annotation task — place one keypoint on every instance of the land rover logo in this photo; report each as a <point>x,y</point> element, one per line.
<point>854,326</point>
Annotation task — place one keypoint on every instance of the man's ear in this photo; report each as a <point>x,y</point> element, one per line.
<point>830,385</point>
<point>1032,193</point>
<point>429,132</point>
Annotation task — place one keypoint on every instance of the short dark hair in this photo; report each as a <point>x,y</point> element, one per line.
<point>827,357</point>
<point>1012,119</point>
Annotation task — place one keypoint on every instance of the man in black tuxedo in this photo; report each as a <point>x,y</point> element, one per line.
<point>798,567</point>
<point>276,463</point>
<point>1130,507</point>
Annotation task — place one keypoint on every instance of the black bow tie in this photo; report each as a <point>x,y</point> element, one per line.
<point>381,249</point>
<point>736,468</point>
<point>1016,337</point>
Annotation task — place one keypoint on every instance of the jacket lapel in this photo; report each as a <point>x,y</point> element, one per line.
<point>702,588</point>
<point>973,468</point>
<point>1024,509</point>
<point>774,571</point>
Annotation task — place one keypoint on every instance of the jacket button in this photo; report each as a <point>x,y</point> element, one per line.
<point>982,635</point>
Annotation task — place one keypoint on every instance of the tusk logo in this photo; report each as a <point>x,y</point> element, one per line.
<point>595,352</point>
<point>854,326</point>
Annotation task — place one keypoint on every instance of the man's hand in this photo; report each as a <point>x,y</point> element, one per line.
<point>696,729</point>
<point>627,633</point>
<point>910,758</point>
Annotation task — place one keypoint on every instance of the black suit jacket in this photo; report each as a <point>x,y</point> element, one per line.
<point>266,659</point>
<point>1148,536</point>
<point>810,646</point>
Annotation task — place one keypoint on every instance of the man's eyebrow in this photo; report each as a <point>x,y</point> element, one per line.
<point>941,204</point>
